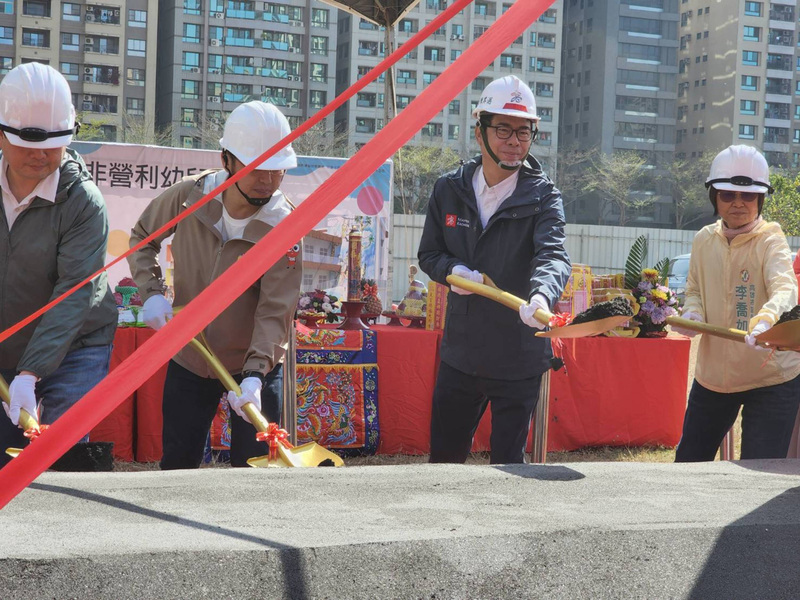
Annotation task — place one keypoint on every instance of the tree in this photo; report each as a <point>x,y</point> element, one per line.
<point>143,130</point>
<point>570,176</point>
<point>613,177</point>
<point>784,205</point>
<point>416,169</point>
<point>686,177</point>
<point>92,131</point>
<point>318,141</point>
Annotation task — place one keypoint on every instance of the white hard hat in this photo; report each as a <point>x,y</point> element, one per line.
<point>252,129</point>
<point>740,169</point>
<point>507,96</point>
<point>35,104</point>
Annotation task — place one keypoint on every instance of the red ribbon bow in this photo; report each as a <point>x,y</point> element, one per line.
<point>34,433</point>
<point>274,436</point>
<point>560,320</point>
<point>370,290</point>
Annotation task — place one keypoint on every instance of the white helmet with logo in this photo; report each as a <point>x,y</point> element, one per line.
<point>507,96</point>
<point>36,107</point>
<point>740,169</point>
<point>252,129</point>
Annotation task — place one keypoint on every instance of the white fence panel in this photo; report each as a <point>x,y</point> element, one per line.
<point>605,248</point>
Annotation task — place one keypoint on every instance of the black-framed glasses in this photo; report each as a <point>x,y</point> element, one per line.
<point>503,132</point>
<point>742,181</point>
<point>35,134</point>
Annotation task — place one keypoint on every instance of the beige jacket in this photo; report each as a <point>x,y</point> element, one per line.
<point>252,333</point>
<point>737,286</point>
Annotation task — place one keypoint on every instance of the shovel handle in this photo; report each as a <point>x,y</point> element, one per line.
<point>26,421</point>
<point>256,418</point>
<point>492,292</point>
<point>737,335</point>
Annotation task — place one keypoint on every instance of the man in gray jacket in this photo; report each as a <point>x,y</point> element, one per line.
<point>52,236</point>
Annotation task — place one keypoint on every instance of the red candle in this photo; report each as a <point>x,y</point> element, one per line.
<point>354,267</point>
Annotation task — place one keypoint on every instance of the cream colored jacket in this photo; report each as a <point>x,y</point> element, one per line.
<point>737,285</point>
<point>252,333</point>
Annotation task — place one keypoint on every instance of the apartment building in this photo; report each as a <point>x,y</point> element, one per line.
<point>739,73</point>
<point>533,57</point>
<point>618,93</point>
<point>106,51</point>
<point>216,54</point>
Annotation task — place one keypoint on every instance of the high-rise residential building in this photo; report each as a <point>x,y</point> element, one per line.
<point>107,52</point>
<point>618,93</point>
<point>738,77</point>
<point>216,54</point>
<point>533,57</point>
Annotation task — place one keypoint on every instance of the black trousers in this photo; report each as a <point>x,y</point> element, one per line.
<point>459,401</point>
<point>189,405</point>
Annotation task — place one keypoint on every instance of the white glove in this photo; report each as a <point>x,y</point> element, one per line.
<point>23,396</point>
<point>750,338</point>
<point>155,311</point>
<point>691,316</point>
<point>466,273</point>
<point>251,392</point>
<point>526,311</point>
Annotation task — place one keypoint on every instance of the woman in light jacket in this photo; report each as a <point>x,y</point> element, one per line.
<point>740,276</point>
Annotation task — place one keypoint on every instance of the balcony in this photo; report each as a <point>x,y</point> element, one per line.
<point>238,41</point>
<point>240,14</point>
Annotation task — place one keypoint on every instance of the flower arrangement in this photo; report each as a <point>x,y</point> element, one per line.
<point>657,302</point>
<point>319,303</point>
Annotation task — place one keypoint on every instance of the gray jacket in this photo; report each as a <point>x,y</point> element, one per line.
<point>51,248</point>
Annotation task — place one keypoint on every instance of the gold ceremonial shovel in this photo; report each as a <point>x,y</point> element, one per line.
<point>305,455</point>
<point>27,422</point>
<point>784,336</point>
<point>488,289</point>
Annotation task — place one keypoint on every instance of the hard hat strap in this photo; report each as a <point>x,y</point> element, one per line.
<point>258,202</point>
<point>493,156</point>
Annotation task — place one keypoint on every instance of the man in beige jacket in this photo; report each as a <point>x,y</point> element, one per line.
<point>250,336</point>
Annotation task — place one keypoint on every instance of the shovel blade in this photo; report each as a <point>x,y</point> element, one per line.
<point>784,336</point>
<point>306,455</point>
<point>13,452</point>
<point>585,329</point>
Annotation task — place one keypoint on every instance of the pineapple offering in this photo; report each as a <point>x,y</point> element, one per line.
<point>370,297</point>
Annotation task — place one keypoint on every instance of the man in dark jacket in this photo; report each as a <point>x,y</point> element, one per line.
<point>53,235</point>
<point>498,214</point>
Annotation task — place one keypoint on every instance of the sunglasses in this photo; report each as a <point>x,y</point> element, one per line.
<point>743,181</point>
<point>35,134</point>
<point>729,196</point>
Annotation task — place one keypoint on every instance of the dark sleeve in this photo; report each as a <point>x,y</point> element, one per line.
<point>434,258</point>
<point>81,252</point>
<point>551,266</point>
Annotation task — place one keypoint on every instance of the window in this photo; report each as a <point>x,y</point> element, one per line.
<point>317,99</point>
<point>6,7</point>
<point>545,114</point>
<point>428,78</point>
<point>319,72</point>
<point>319,45</point>
<point>35,37</point>
<point>454,54</point>
<point>70,11</point>
<point>748,107</point>
<point>135,77</point>
<point>190,90</point>
<point>192,33</point>
<point>137,18</point>
<point>532,39</point>
<point>36,8</point>
<point>751,58</point>
<point>547,40</point>
<point>747,132</point>
<point>319,17</point>
<point>191,62</point>
<point>432,130</point>
<point>752,34</point>
<point>188,141</point>
<point>544,89</point>
<point>797,111</point>
<point>6,64</point>
<point>70,71</point>
<point>750,82</point>
<point>406,76</point>
<point>364,125</point>
<point>136,47</point>
<point>134,106</point>
<point>796,136</point>
<point>192,7</point>
<point>544,138</point>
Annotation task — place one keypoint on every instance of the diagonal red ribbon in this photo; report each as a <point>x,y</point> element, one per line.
<point>134,371</point>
